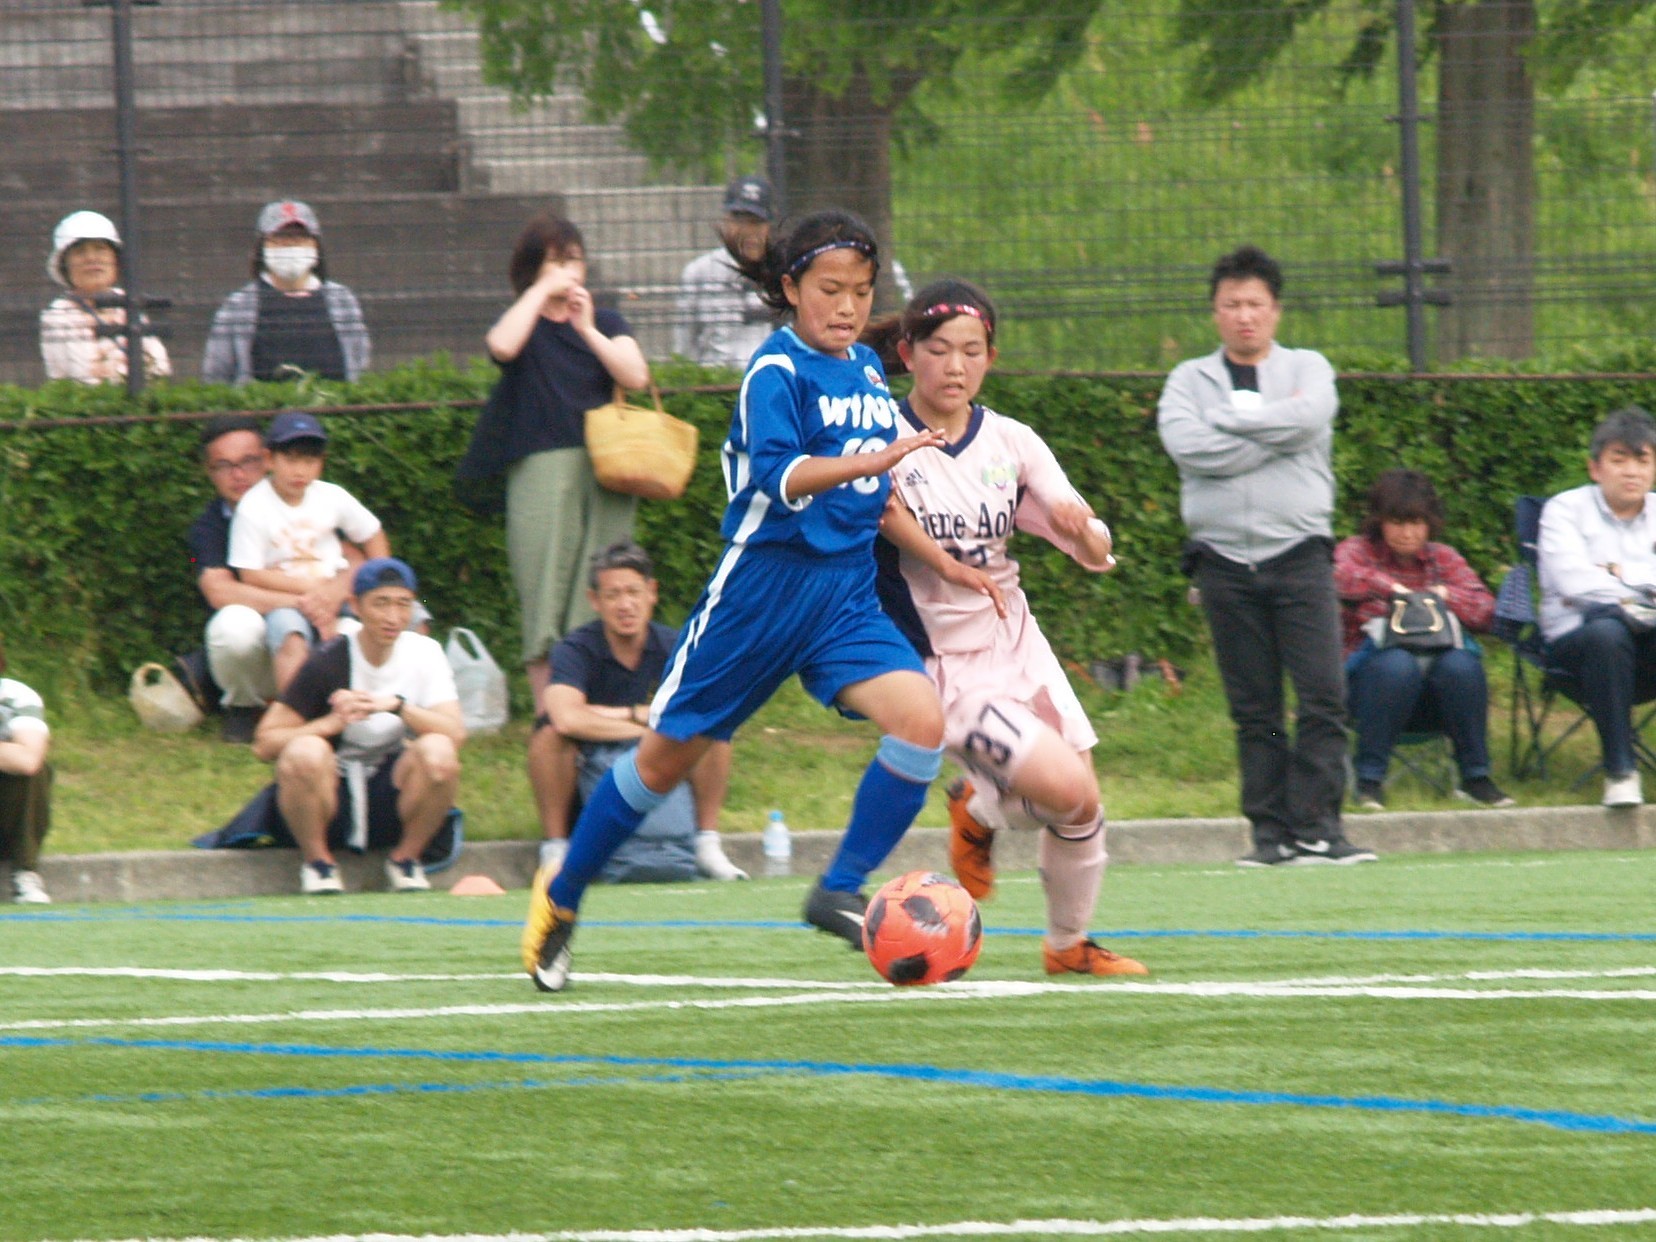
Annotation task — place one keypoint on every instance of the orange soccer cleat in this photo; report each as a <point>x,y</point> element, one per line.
<point>969,844</point>
<point>1086,958</point>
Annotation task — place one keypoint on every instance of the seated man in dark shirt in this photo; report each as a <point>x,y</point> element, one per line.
<point>604,675</point>
<point>366,738</point>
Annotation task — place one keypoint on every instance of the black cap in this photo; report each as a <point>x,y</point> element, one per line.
<point>749,195</point>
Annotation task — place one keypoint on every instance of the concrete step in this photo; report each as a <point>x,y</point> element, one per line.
<point>68,155</point>
<point>493,110</point>
<point>529,141</point>
<point>536,175</point>
<point>342,80</point>
<point>185,874</point>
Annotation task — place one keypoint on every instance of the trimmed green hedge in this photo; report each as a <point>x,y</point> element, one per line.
<point>93,565</point>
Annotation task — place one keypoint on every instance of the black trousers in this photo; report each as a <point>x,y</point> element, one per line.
<point>1282,617</point>
<point>25,816</point>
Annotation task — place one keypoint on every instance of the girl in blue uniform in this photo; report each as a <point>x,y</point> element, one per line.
<point>814,434</point>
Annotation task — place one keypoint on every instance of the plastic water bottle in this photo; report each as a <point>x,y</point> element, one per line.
<point>778,845</point>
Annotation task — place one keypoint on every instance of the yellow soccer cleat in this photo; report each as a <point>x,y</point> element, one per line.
<point>546,933</point>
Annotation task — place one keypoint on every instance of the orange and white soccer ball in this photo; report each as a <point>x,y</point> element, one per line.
<point>922,928</point>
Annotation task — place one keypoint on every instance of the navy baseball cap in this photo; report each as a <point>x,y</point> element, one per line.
<point>383,571</point>
<point>750,196</point>
<point>292,425</point>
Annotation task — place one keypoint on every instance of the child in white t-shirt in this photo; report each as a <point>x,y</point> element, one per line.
<point>286,536</point>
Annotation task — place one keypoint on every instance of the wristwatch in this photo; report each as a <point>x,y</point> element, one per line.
<point>401,703</point>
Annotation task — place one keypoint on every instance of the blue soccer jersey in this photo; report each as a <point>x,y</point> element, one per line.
<point>797,402</point>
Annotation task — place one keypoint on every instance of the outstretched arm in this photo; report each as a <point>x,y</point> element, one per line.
<point>899,526</point>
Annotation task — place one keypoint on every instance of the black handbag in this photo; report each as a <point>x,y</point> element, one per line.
<point>1420,621</point>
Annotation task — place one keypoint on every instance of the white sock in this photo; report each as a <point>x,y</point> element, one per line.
<point>1072,871</point>
<point>711,860</point>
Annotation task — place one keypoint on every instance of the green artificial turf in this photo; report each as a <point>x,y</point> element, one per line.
<point>716,1066</point>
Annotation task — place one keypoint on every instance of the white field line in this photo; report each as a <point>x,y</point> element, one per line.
<point>846,994</point>
<point>1060,1228</point>
<point>352,976</point>
<point>734,982</point>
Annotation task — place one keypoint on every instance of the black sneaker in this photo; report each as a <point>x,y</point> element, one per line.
<point>238,724</point>
<point>1485,792</point>
<point>1338,851</point>
<point>1273,855</point>
<point>1370,796</point>
<point>838,914</point>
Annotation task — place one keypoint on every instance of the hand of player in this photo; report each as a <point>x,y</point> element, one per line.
<point>1070,517</point>
<point>893,453</point>
<point>976,580</point>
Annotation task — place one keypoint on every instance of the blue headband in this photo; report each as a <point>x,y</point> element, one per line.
<point>844,243</point>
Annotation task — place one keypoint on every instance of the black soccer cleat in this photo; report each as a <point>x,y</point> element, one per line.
<point>838,914</point>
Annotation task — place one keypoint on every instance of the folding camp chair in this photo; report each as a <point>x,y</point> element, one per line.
<point>1538,684</point>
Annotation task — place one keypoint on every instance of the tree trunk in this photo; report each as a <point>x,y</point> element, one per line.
<point>1486,178</point>
<point>839,155</point>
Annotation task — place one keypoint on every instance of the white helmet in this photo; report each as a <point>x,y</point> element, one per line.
<point>78,226</point>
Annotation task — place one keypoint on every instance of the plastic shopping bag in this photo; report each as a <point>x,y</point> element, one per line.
<point>479,680</point>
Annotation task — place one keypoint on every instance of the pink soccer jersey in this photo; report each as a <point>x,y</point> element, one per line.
<point>969,498</point>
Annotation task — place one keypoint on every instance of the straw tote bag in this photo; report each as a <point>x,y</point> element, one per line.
<point>640,451</point>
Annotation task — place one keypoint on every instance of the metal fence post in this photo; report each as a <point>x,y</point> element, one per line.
<point>776,144</point>
<point>126,156</point>
<point>1415,296</point>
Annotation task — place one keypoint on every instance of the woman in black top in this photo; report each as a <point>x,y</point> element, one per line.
<point>559,356</point>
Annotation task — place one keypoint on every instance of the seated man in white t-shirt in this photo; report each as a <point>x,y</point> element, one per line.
<point>285,536</point>
<point>366,738</point>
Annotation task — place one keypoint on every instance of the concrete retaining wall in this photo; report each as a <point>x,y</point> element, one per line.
<point>191,874</point>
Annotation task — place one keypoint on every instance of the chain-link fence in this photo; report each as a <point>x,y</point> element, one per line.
<point>1086,162</point>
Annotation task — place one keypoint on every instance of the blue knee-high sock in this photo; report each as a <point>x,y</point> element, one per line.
<point>617,806</point>
<point>892,791</point>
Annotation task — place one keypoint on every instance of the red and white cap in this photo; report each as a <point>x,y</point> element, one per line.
<point>285,212</point>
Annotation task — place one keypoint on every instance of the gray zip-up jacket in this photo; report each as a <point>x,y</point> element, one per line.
<point>1254,482</point>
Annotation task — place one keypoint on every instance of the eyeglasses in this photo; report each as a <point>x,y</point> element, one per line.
<point>246,465</point>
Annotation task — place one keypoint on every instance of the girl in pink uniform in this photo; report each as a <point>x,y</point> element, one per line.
<point>1011,718</point>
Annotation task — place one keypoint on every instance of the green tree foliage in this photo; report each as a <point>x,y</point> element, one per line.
<point>688,84</point>
<point>1489,56</point>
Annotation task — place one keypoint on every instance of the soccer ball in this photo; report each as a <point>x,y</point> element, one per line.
<point>922,928</point>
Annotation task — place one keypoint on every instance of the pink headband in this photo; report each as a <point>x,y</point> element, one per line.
<point>945,310</point>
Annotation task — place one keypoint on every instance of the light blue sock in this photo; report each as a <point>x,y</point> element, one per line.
<point>892,791</point>
<point>618,805</point>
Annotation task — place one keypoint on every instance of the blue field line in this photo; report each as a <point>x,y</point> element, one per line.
<point>1115,933</point>
<point>1558,1119</point>
<point>358,1090</point>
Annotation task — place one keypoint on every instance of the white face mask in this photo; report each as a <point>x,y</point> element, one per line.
<point>289,262</point>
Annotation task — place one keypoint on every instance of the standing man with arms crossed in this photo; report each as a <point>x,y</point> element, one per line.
<point>1250,427</point>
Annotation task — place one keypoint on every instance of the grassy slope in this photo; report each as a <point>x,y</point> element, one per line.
<point>1159,755</point>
